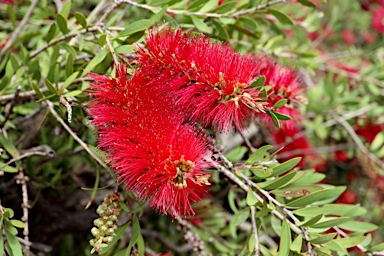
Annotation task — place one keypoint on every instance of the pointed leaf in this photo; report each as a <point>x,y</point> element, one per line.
<point>330,222</point>
<point>280,103</point>
<point>136,26</point>
<point>259,82</point>
<point>312,221</point>
<point>81,19</point>
<point>282,17</point>
<point>322,239</point>
<point>297,244</point>
<point>251,198</point>
<point>200,25</point>
<point>285,239</point>
<point>258,154</point>
<point>62,24</point>
<point>358,226</point>
<point>286,166</point>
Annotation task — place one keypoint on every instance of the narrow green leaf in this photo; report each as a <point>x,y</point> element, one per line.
<point>102,39</point>
<point>200,25</point>
<point>297,244</point>
<point>157,16</point>
<point>66,9</point>
<point>251,243</point>
<point>349,242</point>
<point>330,222</point>
<point>322,239</point>
<point>258,83</point>
<point>8,168</point>
<point>208,6</point>
<point>225,7</point>
<point>280,103</point>
<point>13,244</point>
<point>285,239</point>
<point>294,190</point>
<point>236,154</point>
<point>69,65</point>
<point>125,49</point>
<point>81,19</point>
<point>17,223</point>
<point>261,172</point>
<point>333,246</point>
<point>282,17</point>
<point>258,154</point>
<point>378,142</point>
<point>286,166</point>
<point>358,226</point>
<point>282,116</point>
<point>51,33</point>
<point>307,3</point>
<point>281,181</point>
<point>68,81</point>
<point>274,118</point>
<point>136,26</point>
<point>221,30</point>
<point>377,248</point>
<point>135,234</point>
<point>231,201</point>
<point>251,198</point>
<point>312,221</point>
<point>50,87</point>
<point>309,199</point>
<point>99,57</point>
<point>240,217</point>
<point>9,146</point>
<point>73,93</point>
<point>62,24</point>
<point>1,241</point>
<point>4,82</point>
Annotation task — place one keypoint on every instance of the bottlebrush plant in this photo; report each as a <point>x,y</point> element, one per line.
<point>191,127</point>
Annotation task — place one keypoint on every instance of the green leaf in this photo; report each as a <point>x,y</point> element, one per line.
<point>281,181</point>
<point>251,243</point>
<point>99,57</point>
<point>258,154</point>
<point>66,9</point>
<point>310,199</point>
<point>222,32</point>
<point>125,49</point>
<point>236,154</point>
<point>157,17</point>
<point>62,24</point>
<point>135,234</point>
<point>17,223</point>
<point>13,244</point>
<point>8,168</point>
<point>296,190</point>
<point>73,93</point>
<point>9,146</point>
<point>69,65</point>
<point>208,6</point>
<point>119,232</point>
<point>68,81</point>
<point>81,19</point>
<point>358,226</point>
<point>285,239</point>
<point>51,33</point>
<point>332,209</point>
<point>136,26</point>
<point>274,118</point>
<point>312,221</point>
<point>280,103</point>
<point>349,242</point>
<point>282,116</point>
<point>102,39</point>
<point>282,17</point>
<point>258,83</point>
<point>1,242</point>
<point>330,222</point>
<point>231,201</point>
<point>225,7</point>
<point>297,244</point>
<point>333,246</point>
<point>311,177</point>
<point>322,239</point>
<point>307,3</point>
<point>8,213</point>
<point>286,166</point>
<point>378,142</point>
<point>251,198</point>
<point>261,172</point>
<point>377,248</point>
<point>10,228</point>
<point>240,217</point>
<point>200,25</point>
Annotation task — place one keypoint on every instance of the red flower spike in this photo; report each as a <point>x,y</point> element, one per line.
<point>378,20</point>
<point>208,80</point>
<point>284,84</point>
<point>153,153</point>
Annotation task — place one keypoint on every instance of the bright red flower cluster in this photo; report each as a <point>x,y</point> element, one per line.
<point>144,122</point>
<point>152,151</point>
<point>209,81</point>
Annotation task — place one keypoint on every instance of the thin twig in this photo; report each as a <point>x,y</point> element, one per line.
<point>22,179</point>
<point>357,141</point>
<point>254,231</point>
<point>19,28</point>
<point>63,38</point>
<point>69,130</point>
<point>202,14</point>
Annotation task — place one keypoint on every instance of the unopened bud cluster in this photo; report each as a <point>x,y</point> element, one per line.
<point>106,225</point>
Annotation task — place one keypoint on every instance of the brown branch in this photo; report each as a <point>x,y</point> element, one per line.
<point>22,180</point>
<point>13,102</point>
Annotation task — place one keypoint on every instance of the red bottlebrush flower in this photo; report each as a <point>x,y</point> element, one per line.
<point>369,130</point>
<point>347,197</point>
<point>348,36</point>
<point>378,20</point>
<point>284,84</point>
<point>208,80</point>
<point>153,153</point>
<point>7,1</point>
